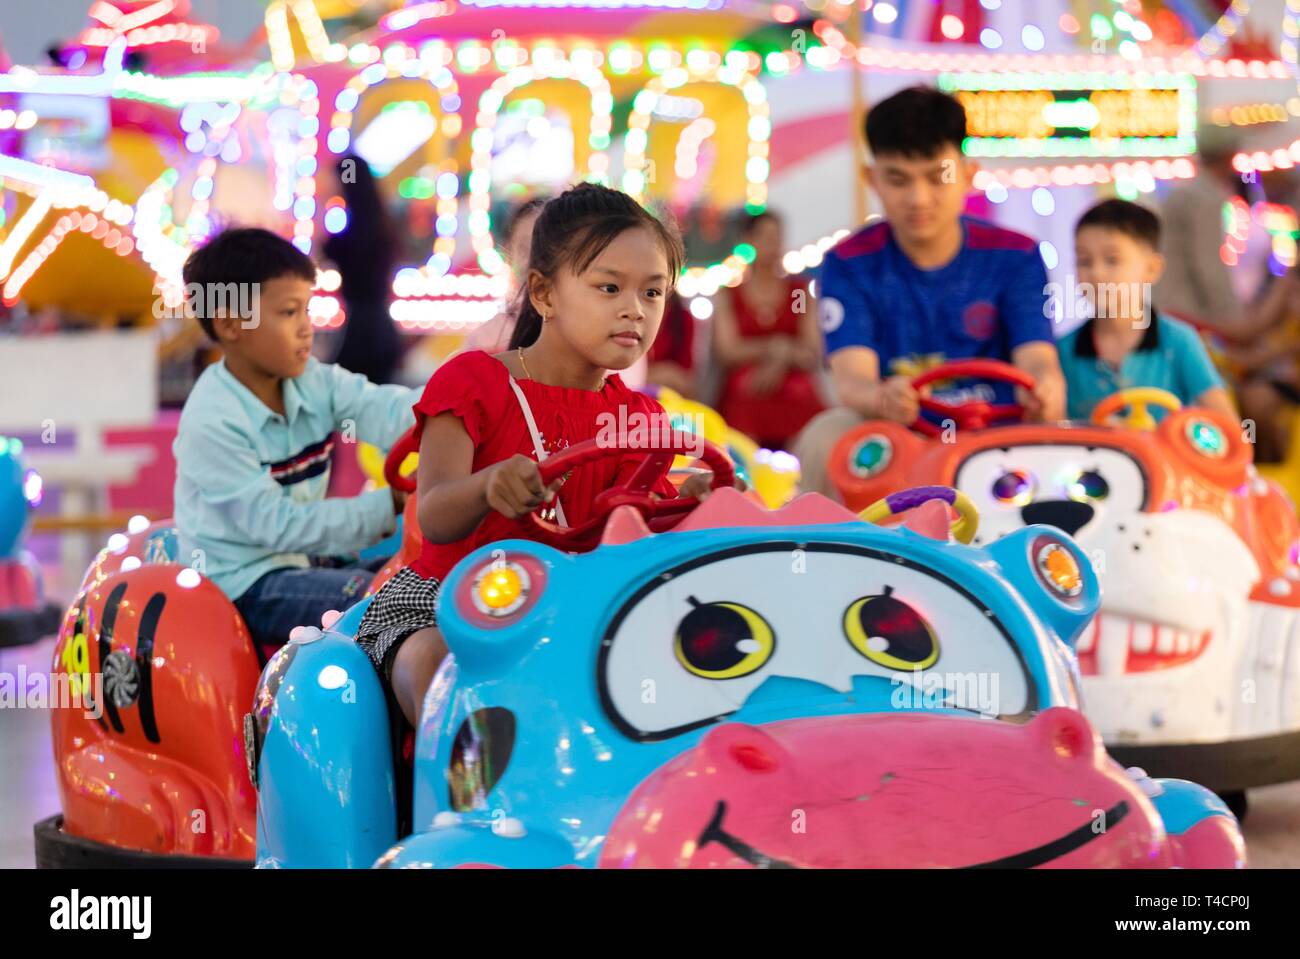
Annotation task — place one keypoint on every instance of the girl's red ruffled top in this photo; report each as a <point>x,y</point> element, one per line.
<point>475,387</point>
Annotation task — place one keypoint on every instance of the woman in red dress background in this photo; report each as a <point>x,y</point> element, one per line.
<point>767,344</point>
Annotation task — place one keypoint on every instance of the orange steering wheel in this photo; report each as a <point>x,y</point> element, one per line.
<point>1138,401</point>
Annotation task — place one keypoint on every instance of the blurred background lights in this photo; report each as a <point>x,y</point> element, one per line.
<point>885,12</point>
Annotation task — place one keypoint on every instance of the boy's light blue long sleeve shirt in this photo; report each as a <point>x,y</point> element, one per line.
<point>250,483</point>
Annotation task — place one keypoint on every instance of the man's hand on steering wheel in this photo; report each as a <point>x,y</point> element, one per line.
<point>1045,403</point>
<point>898,400</point>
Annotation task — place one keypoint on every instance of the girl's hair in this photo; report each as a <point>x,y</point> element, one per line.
<point>575,228</point>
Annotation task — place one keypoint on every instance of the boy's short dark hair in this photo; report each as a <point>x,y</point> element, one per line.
<point>242,255</point>
<point>1128,218</point>
<point>916,122</point>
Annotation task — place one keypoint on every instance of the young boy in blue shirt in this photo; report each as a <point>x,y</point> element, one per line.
<point>925,285</point>
<point>254,443</point>
<point>1126,342</point>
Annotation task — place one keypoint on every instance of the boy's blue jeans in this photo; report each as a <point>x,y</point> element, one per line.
<point>285,598</point>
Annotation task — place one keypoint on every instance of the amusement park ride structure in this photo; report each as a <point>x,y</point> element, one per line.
<point>152,133</point>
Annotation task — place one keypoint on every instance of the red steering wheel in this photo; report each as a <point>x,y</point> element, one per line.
<point>659,514</point>
<point>972,414</point>
<point>408,444</point>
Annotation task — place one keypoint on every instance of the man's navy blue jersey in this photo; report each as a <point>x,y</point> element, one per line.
<point>990,299</point>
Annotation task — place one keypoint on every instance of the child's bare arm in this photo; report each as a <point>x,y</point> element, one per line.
<point>1217,399</point>
<point>454,500</point>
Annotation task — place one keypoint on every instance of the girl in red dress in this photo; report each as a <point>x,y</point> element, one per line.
<point>599,272</point>
<point>768,344</point>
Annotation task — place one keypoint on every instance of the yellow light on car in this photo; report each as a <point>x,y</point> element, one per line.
<point>1060,569</point>
<point>500,589</point>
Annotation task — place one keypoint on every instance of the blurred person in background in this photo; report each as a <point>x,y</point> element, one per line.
<point>767,344</point>
<point>672,355</point>
<point>365,252</point>
<point>494,335</point>
<point>1197,283</point>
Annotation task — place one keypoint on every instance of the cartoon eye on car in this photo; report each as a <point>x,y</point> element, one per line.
<point>683,697</point>
<point>1191,666</point>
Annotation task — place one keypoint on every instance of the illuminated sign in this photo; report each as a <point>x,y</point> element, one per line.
<point>1076,115</point>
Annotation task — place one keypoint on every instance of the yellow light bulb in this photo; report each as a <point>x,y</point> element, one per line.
<point>500,588</point>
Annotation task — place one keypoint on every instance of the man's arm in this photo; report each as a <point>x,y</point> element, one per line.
<point>1040,360</point>
<point>855,374</point>
<point>848,329</point>
<point>1025,309</point>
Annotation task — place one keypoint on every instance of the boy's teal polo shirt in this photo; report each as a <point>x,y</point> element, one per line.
<point>251,483</point>
<point>1170,356</point>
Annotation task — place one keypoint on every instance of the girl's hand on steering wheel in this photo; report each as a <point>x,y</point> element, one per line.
<point>515,488</point>
<point>696,486</point>
<point>699,486</point>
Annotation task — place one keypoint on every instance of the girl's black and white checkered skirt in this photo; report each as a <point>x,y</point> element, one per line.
<point>403,605</point>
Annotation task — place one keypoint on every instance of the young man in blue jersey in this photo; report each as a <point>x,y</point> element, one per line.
<point>926,285</point>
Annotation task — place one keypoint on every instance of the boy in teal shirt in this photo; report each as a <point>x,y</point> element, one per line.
<point>1127,343</point>
<point>255,438</point>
